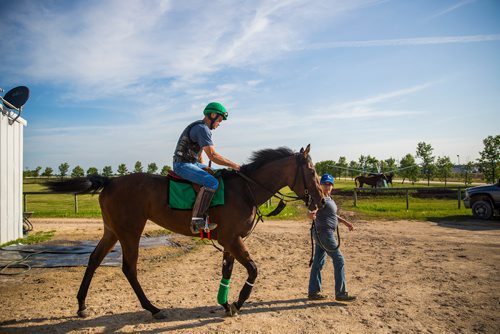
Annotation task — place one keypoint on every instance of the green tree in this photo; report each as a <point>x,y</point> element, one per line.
<point>325,167</point>
<point>27,172</point>
<point>152,168</point>
<point>444,167</point>
<point>362,162</point>
<point>77,172</point>
<point>122,169</point>
<point>107,171</point>
<point>424,152</point>
<point>138,167</point>
<point>165,169</point>
<point>353,169</point>
<point>48,172</point>
<point>389,165</point>
<point>408,169</point>
<point>342,166</point>
<point>372,164</point>
<point>489,162</point>
<point>63,169</point>
<point>468,167</point>
<point>92,170</point>
<point>36,171</point>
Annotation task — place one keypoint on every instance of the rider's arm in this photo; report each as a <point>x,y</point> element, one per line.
<point>219,159</point>
<point>346,223</point>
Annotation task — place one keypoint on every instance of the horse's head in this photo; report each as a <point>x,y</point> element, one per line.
<point>306,184</point>
<point>389,177</point>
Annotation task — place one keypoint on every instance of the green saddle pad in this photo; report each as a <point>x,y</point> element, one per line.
<point>181,195</point>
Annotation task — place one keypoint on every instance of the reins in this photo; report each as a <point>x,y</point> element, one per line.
<point>284,199</point>
<point>313,227</point>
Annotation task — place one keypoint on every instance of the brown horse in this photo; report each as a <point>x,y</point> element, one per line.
<point>372,180</point>
<point>127,202</point>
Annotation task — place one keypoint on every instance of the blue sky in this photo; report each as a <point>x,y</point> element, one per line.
<point>117,81</point>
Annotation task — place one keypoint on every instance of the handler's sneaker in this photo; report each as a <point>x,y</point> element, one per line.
<point>317,296</point>
<point>345,298</point>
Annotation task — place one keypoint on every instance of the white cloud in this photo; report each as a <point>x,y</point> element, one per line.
<point>370,107</point>
<point>404,42</point>
<point>452,8</point>
<point>110,47</point>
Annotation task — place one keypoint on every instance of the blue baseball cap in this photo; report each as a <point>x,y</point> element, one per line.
<point>327,178</point>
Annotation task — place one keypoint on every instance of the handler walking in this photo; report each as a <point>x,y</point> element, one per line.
<point>325,224</point>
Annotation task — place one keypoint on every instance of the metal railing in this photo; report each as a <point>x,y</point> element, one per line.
<point>407,191</point>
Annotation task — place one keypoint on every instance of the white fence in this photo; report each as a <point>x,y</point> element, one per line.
<point>11,177</point>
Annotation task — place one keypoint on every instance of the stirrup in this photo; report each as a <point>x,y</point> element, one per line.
<point>198,224</point>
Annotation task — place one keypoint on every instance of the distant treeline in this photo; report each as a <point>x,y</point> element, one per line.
<point>429,167</point>
<point>78,171</point>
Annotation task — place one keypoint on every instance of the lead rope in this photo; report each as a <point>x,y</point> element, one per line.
<point>313,227</point>
<point>258,215</point>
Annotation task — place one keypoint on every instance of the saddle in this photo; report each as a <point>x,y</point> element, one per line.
<point>182,193</point>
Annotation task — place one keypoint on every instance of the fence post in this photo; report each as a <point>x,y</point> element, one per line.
<point>355,196</point>
<point>407,201</point>
<point>76,204</point>
<point>459,197</point>
<point>25,206</point>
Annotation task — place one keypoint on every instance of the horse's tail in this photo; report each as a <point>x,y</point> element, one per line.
<point>79,185</point>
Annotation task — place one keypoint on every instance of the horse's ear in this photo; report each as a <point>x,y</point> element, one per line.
<point>301,150</point>
<point>306,152</point>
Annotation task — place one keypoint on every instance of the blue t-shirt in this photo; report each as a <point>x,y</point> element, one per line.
<point>326,217</point>
<point>201,134</point>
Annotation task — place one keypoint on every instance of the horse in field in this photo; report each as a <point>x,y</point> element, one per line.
<point>127,202</point>
<point>373,180</point>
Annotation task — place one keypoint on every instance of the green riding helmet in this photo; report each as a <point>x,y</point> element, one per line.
<point>215,107</point>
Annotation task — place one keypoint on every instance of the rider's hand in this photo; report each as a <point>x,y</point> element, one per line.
<point>236,167</point>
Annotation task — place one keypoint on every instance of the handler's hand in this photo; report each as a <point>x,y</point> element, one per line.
<point>350,226</point>
<point>312,214</point>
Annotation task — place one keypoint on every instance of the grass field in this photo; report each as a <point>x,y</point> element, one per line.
<point>390,207</point>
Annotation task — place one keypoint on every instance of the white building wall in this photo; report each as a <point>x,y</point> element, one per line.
<point>11,178</point>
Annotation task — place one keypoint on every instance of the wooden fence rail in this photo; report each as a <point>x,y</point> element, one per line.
<point>25,202</point>
<point>356,191</point>
<point>407,191</point>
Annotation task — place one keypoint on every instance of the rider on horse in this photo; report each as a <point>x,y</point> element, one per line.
<point>188,162</point>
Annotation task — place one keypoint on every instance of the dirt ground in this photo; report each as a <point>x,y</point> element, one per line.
<point>409,277</point>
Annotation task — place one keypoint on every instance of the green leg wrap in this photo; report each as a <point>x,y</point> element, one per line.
<point>223,291</point>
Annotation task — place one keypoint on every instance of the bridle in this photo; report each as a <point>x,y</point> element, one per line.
<point>307,198</point>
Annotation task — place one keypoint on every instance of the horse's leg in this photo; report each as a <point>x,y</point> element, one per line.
<point>241,254</point>
<point>106,243</point>
<point>130,249</point>
<point>227,269</point>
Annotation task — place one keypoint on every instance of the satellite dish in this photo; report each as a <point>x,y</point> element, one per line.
<point>17,97</point>
<point>15,100</point>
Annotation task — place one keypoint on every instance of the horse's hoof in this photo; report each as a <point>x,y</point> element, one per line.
<point>162,314</point>
<point>83,313</point>
<point>233,310</point>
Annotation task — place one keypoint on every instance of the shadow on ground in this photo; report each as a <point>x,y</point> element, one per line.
<point>192,317</point>
<point>467,223</point>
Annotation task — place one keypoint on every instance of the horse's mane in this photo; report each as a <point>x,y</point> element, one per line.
<point>262,157</point>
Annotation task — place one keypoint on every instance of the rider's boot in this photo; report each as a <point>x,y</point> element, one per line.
<point>200,207</point>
